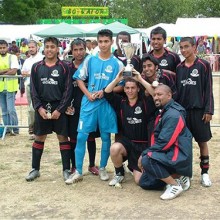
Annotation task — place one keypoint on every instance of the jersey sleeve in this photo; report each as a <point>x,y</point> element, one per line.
<point>208,91</point>
<point>82,71</point>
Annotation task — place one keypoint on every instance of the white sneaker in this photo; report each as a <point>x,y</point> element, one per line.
<point>205,180</point>
<point>103,174</point>
<point>115,180</point>
<point>185,182</point>
<point>172,192</point>
<point>74,178</point>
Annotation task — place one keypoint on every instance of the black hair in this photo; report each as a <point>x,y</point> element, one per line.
<point>106,33</point>
<point>130,79</point>
<point>125,33</point>
<point>150,57</point>
<point>189,39</point>
<point>33,42</point>
<point>3,42</point>
<point>54,40</point>
<point>159,30</point>
<point>78,41</point>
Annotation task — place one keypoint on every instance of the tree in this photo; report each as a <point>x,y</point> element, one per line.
<point>140,13</point>
<point>22,12</point>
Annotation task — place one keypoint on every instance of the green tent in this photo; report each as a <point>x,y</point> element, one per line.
<point>115,27</point>
<point>61,30</point>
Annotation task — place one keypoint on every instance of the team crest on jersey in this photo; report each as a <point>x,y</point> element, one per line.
<point>163,62</point>
<point>108,69</point>
<point>194,73</point>
<point>138,110</point>
<point>55,73</point>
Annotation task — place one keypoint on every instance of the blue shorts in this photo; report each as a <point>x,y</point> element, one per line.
<point>103,117</point>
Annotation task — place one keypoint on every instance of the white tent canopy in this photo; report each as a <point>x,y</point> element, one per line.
<point>170,29</point>
<point>197,27</point>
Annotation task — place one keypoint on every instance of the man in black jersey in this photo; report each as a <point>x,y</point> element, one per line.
<point>125,37</point>
<point>133,112</point>
<point>167,60</point>
<point>194,89</point>
<point>50,92</point>
<point>153,74</point>
<point>78,48</point>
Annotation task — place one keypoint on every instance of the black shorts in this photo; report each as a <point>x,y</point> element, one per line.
<point>134,151</point>
<point>47,126</point>
<point>73,121</point>
<point>200,131</point>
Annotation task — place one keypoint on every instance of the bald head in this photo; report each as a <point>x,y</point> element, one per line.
<point>164,88</point>
<point>162,95</point>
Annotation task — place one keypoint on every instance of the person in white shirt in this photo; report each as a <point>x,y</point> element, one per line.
<point>35,56</point>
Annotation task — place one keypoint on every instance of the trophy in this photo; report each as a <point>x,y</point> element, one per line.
<point>49,108</point>
<point>129,50</point>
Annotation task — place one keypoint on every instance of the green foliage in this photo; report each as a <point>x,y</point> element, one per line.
<point>140,13</point>
<point>21,12</point>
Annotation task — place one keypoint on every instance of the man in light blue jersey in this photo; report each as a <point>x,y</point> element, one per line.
<point>95,111</point>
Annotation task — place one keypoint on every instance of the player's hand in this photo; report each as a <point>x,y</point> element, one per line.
<point>43,113</point>
<point>99,94</point>
<point>92,96</point>
<point>119,76</point>
<point>55,115</point>
<point>70,110</point>
<point>207,118</point>
<point>136,75</point>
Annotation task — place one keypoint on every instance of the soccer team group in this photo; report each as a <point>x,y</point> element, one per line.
<point>154,113</point>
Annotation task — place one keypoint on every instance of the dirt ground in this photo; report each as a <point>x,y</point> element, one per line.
<point>50,198</point>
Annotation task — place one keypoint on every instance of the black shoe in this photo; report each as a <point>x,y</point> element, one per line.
<point>34,174</point>
<point>66,174</point>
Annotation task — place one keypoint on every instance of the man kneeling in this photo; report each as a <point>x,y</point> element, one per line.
<point>133,111</point>
<point>171,149</point>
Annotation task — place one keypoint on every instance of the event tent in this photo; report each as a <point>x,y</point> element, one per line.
<point>61,30</point>
<point>115,27</point>
<point>197,27</point>
<point>170,29</point>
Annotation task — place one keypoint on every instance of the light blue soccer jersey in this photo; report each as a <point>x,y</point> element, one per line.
<point>99,74</point>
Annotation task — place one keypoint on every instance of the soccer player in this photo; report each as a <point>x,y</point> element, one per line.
<point>51,91</point>
<point>134,112</point>
<point>95,111</point>
<point>167,60</point>
<point>195,94</point>
<point>78,48</point>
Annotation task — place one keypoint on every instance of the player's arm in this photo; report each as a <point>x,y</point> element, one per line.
<point>137,76</point>
<point>115,82</point>
<point>82,86</point>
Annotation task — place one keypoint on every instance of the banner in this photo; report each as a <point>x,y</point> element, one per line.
<point>85,11</point>
<point>82,21</point>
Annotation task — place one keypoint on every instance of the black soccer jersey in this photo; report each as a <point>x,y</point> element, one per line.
<point>51,84</point>
<point>77,93</point>
<point>133,119</point>
<point>168,61</point>
<point>194,86</point>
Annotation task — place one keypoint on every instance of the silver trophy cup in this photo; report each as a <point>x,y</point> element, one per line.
<point>129,50</point>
